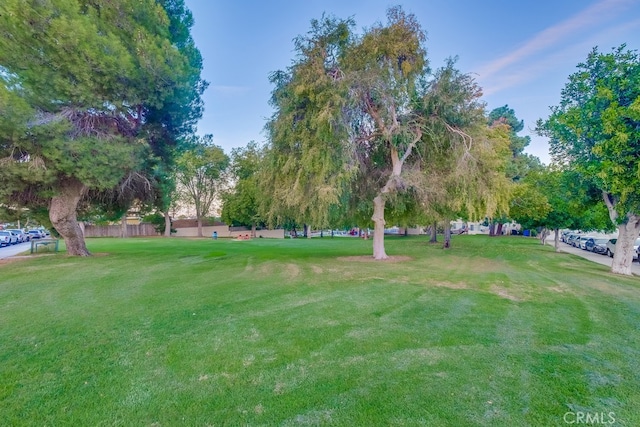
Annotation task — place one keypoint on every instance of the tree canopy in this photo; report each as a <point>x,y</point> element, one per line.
<point>355,115</point>
<point>200,172</point>
<point>95,92</point>
<point>595,131</point>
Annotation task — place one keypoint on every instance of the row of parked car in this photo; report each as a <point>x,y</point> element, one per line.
<point>13,236</point>
<point>599,245</point>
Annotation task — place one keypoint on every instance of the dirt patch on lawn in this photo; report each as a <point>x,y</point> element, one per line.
<point>451,285</point>
<point>504,293</point>
<point>292,271</point>
<point>10,260</point>
<point>369,258</point>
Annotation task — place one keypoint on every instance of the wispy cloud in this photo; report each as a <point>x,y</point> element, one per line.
<point>524,72</point>
<point>554,35</point>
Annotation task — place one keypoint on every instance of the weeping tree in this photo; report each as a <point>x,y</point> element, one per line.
<point>306,161</point>
<point>344,115</point>
<point>97,90</point>
<point>467,178</point>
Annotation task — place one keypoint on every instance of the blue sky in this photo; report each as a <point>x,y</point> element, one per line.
<point>520,52</point>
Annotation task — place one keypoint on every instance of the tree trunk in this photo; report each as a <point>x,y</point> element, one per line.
<point>62,213</point>
<point>123,226</point>
<point>434,233</point>
<point>623,255</point>
<point>378,228</point>
<point>556,240</point>
<point>543,235</point>
<point>167,225</point>
<point>253,230</point>
<point>627,235</point>
<point>499,230</point>
<point>447,234</point>
<point>200,226</point>
<point>492,228</point>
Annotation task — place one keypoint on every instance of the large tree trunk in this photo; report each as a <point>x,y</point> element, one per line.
<point>62,213</point>
<point>627,235</point>
<point>499,230</point>
<point>623,255</point>
<point>434,233</point>
<point>378,228</point>
<point>492,228</point>
<point>167,225</point>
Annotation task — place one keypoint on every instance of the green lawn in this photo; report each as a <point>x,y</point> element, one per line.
<point>197,332</point>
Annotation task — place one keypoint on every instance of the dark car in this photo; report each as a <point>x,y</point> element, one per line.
<point>597,245</point>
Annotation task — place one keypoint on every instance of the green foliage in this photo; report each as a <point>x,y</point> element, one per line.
<point>596,127</point>
<point>95,91</point>
<point>158,222</point>
<point>200,173</point>
<point>520,163</point>
<point>556,199</point>
<point>305,168</point>
<point>241,204</point>
<point>361,116</point>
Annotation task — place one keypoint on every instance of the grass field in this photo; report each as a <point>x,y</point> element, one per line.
<point>197,332</point>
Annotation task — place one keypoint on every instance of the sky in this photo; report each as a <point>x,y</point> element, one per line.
<point>521,53</point>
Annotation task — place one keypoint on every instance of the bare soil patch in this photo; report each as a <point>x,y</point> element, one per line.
<point>450,285</point>
<point>504,293</point>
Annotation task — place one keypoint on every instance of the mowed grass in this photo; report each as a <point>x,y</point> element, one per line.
<point>197,332</point>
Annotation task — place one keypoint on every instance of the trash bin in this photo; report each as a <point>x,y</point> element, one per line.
<point>526,233</point>
<point>215,235</point>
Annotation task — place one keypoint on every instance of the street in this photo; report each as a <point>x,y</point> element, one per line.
<point>9,251</point>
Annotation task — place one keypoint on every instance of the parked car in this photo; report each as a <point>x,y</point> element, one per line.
<point>564,236</point>
<point>572,238</point>
<point>597,245</point>
<point>8,238</point>
<point>36,234</point>
<point>611,246</point>
<point>582,242</point>
<point>22,236</point>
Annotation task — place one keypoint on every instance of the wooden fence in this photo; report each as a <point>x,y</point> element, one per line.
<point>143,229</point>
<point>146,229</point>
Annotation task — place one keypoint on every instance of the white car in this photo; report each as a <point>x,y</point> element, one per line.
<point>36,234</point>
<point>611,246</point>
<point>8,238</point>
<point>22,236</point>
